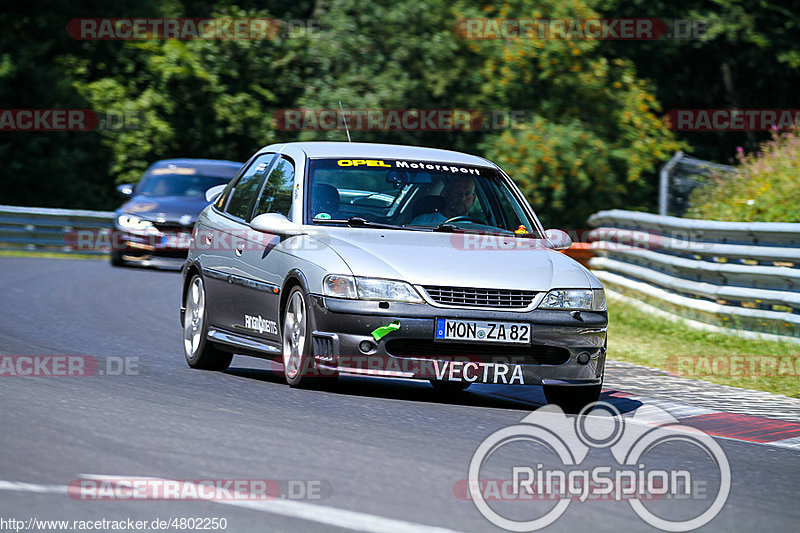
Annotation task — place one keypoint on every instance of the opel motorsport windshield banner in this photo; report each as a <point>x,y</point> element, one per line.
<point>408,165</point>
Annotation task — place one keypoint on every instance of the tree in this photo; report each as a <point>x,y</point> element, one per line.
<point>747,58</point>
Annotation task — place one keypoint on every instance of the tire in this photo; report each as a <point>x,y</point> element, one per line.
<point>117,260</point>
<point>298,360</point>
<point>450,387</point>
<point>199,352</point>
<point>572,398</point>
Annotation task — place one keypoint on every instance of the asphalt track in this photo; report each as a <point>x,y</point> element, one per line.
<point>389,454</point>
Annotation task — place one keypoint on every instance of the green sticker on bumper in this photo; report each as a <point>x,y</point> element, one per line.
<point>382,331</point>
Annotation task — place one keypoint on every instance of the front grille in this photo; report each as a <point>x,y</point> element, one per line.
<point>476,297</point>
<point>173,227</point>
<point>536,354</point>
<point>171,254</point>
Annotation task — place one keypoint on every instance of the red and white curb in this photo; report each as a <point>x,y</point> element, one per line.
<point>719,410</point>
<point>734,426</point>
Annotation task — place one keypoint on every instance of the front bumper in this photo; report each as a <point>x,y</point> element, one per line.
<point>565,349</point>
<point>152,248</point>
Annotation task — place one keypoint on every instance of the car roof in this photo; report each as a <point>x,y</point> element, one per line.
<point>214,167</point>
<point>375,150</point>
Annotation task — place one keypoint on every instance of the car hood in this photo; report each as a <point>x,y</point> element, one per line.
<point>165,208</point>
<point>446,259</point>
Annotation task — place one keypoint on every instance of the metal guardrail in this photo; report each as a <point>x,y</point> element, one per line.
<point>744,275</point>
<point>51,230</point>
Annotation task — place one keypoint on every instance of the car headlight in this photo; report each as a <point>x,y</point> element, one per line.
<point>386,289</point>
<point>369,289</point>
<point>133,222</point>
<point>339,286</point>
<point>583,299</point>
<point>599,303</point>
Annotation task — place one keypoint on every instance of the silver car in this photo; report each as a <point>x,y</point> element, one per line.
<point>391,261</point>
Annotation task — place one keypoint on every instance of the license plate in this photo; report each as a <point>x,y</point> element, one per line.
<point>479,331</point>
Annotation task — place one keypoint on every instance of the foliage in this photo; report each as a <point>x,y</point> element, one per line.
<point>595,139</point>
<point>592,136</point>
<point>195,98</point>
<point>746,55</point>
<point>759,190</point>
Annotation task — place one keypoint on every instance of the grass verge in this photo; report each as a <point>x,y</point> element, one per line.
<point>50,255</point>
<point>637,337</point>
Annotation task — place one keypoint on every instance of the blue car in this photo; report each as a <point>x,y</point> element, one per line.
<point>154,227</point>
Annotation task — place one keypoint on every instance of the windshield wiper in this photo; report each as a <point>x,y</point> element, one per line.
<point>355,222</point>
<point>447,228</point>
<point>450,228</point>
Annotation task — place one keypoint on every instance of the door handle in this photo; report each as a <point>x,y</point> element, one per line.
<point>239,250</point>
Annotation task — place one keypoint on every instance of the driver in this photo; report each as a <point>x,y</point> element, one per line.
<point>458,196</point>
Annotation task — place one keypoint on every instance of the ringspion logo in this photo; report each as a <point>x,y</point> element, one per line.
<point>558,470</point>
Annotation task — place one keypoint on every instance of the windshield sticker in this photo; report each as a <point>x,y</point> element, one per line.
<point>142,208</point>
<point>362,162</point>
<point>181,171</point>
<point>322,216</point>
<point>436,166</point>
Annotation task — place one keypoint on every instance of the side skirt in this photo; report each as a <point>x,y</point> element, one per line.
<point>240,344</point>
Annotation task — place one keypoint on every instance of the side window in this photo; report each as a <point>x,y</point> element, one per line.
<point>511,211</point>
<point>276,196</point>
<point>478,210</point>
<point>242,194</point>
<point>223,198</point>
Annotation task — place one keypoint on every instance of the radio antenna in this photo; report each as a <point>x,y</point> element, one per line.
<point>345,122</point>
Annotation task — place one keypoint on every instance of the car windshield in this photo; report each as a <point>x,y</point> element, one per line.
<point>179,185</point>
<point>414,195</point>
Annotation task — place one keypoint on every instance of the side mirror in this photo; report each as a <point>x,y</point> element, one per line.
<point>276,224</point>
<point>558,239</point>
<point>126,189</point>
<point>214,192</point>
